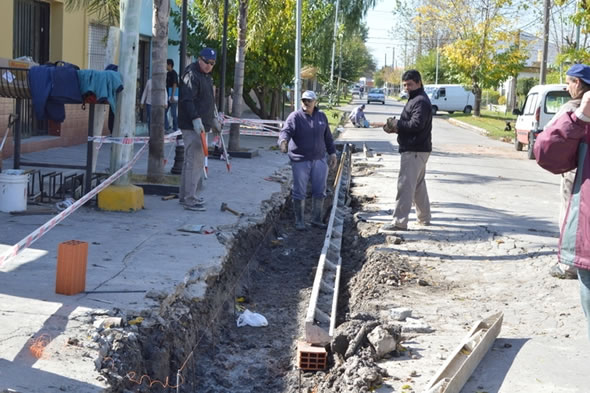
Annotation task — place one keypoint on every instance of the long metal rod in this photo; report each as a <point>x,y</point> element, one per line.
<point>89,150</point>
<point>297,83</point>
<point>320,319</point>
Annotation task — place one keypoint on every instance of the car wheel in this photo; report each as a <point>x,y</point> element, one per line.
<point>467,109</point>
<point>383,102</point>
<point>368,102</point>
<point>530,152</point>
<point>517,143</point>
<point>451,112</point>
<point>434,110</point>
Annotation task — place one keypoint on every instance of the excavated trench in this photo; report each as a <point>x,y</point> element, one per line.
<point>196,346</point>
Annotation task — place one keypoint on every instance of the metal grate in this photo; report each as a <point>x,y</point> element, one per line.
<point>97,38</point>
<point>14,83</point>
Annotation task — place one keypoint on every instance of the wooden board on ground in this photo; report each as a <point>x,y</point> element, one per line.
<point>460,365</point>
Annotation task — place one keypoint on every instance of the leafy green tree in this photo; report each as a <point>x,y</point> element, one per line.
<point>427,67</point>
<point>482,53</point>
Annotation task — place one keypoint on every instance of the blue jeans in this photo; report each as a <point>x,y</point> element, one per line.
<point>584,279</point>
<point>173,107</point>
<point>317,170</point>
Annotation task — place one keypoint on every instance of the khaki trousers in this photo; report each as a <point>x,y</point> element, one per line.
<point>411,187</point>
<point>192,167</point>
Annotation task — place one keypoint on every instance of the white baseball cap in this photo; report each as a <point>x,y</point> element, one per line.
<point>309,95</point>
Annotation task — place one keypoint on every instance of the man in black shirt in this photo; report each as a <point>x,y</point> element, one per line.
<point>414,136</point>
<point>172,87</point>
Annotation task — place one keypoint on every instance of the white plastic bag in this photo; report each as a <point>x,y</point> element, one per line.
<point>251,319</point>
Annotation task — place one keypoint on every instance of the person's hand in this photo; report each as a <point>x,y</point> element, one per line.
<point>585,104</point>
<point>390,126</point>
<point>198,125</point>
<point>284,146</point>
<point>216,126</point>
<point>332,161</point>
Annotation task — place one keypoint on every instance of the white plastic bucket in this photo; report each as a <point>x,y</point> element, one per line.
<point>13,190</point>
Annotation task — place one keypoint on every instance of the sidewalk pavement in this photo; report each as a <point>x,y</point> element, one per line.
<point>131,257</point>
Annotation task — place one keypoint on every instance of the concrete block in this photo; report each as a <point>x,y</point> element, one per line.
<point>382,341</point>
<point>121,198</point>
<point>400,313</point>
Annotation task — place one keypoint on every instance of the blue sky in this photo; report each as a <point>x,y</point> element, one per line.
<point>380,22</point>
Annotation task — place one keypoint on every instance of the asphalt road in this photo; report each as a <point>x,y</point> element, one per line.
<point>492,241</point>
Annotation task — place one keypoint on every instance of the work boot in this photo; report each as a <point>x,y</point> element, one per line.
<point>299,209</point>
<point>317,205</point>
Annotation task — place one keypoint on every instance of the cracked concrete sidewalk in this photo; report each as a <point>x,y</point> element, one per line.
<point>134,259</point>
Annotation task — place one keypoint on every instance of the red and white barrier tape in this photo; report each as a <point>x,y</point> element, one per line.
<point>43,229</point>
<point>131,140</point>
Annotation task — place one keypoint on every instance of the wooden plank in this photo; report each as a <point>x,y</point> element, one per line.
<point>458,368</point>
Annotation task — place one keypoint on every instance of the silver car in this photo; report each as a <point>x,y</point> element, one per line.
<point>376,95</point>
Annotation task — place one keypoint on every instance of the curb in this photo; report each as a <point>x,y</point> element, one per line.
<point>468,126</point>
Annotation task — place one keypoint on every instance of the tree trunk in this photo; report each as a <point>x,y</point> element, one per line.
<point>155,171</point>
<point>234,133</point>
<point>125,115</point>
<point>253,105</point>
<point>274,107</point>
<point>477,93</point>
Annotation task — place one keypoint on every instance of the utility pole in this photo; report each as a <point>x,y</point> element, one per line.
<point>385,64</point>
<point>333,47</point>
<point>223,59</point>
<point>546,10</point>
<point>578,27</point>
<point>297,95</point>
<point>182,64</point>
<point>436,72</point>
<point>125,117</point>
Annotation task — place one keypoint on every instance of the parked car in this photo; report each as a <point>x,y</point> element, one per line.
<point>376,95</point>
<point>404,95</point>
<point>450,98</point>
<point>542,102</point>
<point>355,91</point>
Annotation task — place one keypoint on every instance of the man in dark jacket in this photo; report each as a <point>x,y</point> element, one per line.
<point>196,115</point>
<point>414,136</point>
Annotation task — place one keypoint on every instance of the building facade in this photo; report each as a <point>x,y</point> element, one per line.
<point>45,31</point>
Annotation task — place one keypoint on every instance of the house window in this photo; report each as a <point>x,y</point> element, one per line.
<point>97,42</point>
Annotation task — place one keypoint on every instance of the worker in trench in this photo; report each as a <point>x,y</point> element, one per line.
<point>306,137</point>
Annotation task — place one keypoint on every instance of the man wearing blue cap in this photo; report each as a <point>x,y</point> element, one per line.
<point>560,147</point>
<point>307,138</point>
<point>578,82</point>
<point>196,114</point>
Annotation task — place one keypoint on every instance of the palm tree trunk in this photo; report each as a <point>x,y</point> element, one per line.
<point>160,17</point>
<point>234,134</point>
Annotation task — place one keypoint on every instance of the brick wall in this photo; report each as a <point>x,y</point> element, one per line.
<point>74,130</point>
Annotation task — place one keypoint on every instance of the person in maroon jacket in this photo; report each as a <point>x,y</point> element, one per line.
<point>562,147</point>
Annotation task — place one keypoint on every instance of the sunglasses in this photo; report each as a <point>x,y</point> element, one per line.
<point>210,62</point>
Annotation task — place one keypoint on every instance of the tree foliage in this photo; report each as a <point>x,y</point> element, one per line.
<point>482,52</point>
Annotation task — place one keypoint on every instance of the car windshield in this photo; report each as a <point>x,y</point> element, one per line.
<point>554,100</point>
<point>376,91</point>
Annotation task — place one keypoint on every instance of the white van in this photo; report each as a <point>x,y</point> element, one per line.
<point>450,98</point>
<point>542,102</point>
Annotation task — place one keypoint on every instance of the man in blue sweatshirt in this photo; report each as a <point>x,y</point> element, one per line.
<point>307,138</point>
